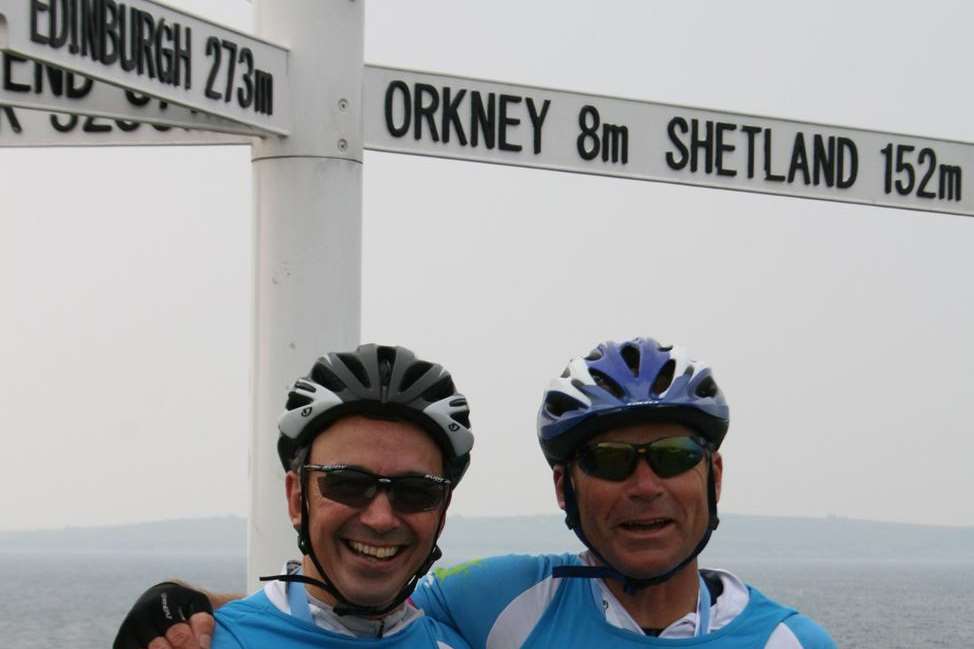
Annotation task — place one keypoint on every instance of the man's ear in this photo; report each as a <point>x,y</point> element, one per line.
<point>292,487</point>
<point>558,474</point>
<point>718,472</point>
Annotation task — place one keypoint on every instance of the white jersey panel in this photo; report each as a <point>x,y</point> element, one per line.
<point>783,638</point>
<point>518,619</point>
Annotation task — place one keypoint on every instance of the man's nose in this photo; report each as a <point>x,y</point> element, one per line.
<point>644,481</point>
<point>379,514</point>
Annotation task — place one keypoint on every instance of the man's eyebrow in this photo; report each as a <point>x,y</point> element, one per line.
<point>417,473</point>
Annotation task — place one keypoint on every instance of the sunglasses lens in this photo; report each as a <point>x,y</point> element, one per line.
<point>416,494</point>
<point>674,455</point>
<point>407,494</point>
<point>348,487</point>
<point>616,461</point>
<point>608,460</point>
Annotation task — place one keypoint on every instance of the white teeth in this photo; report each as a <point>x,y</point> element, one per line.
<point>379,552</point>
<point>657,522</point>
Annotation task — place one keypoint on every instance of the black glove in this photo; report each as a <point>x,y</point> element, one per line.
<point>156,610</point>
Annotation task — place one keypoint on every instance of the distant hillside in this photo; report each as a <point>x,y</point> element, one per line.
<point>219,535</point>
<point>739,538</point>
<point>768,537</point>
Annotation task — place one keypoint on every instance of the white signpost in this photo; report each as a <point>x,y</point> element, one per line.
<point>151,49</point>
<point>34,85</point>
<point>484,121</point>
<point>146,123</point>
<point>34,128</point>
<point>307,186</point>
<point>487,121</point>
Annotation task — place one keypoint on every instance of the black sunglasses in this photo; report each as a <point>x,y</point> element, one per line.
<point>408,494</point>
<point>667,457</point>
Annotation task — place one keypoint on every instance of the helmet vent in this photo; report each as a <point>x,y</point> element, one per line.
<point>566,373</point>
<point>630,355</point>
<point>706,388</point>
<point>558,403</point>
<point>664,378</point>
<point>665,348</point>
<point>462,418</point>
<point>355,366</point>
<point>297,400</point>
<point>413,373</point>
<point>386,356</point>
<point>440,390</point>
<point>606,383</point>
<point>321,375</point>
<point>594,355</point>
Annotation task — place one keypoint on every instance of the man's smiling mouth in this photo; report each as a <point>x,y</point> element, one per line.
<point>647,524</point>
<point>380,552</point>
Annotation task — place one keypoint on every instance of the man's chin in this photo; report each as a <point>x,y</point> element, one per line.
<point>371,591</point>
<point>371,601</point>
<point>645,566</point>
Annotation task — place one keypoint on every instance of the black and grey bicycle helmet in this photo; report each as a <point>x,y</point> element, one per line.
<point>381,381</point>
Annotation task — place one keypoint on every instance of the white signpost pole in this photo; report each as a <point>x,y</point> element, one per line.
<point>308,199</point>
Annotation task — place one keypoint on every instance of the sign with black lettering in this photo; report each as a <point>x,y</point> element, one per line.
<point>33,128</point>
<point>485,121</point>
<point>153,50</point>
<point>33,85</point>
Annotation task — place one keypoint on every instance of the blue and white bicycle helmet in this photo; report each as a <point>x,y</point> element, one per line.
<point>622,383</point>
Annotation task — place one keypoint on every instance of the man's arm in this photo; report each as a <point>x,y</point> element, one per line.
<point>171,615</point>
<point>472,596</point>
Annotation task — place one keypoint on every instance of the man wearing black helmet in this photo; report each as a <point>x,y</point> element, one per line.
<point>632,432</point>
<point>373,442</point>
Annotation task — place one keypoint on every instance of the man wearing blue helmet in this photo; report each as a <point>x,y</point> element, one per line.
<point>644,523</point>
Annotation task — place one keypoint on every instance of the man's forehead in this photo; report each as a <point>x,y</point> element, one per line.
<point>643,432</point>
<point>382,445</point>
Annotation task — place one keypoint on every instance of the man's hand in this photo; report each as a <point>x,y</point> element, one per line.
<point>167,616</point>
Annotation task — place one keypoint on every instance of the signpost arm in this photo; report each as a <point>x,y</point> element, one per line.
<point>308,233</point>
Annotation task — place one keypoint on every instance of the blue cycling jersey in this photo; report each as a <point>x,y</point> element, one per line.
<point>255,623</point>
<point>513,601</point>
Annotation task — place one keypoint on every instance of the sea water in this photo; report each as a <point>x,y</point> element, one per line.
<point>77,601</point>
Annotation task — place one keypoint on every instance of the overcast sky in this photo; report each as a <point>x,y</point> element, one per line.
<point>841,334</point>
